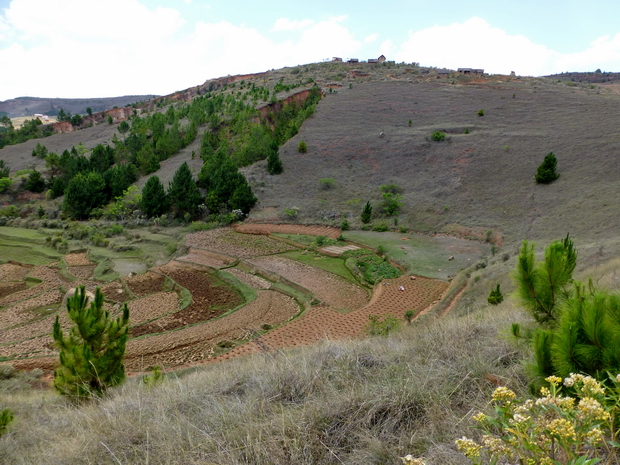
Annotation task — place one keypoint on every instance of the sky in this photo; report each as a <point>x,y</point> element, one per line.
<point>109,48</point>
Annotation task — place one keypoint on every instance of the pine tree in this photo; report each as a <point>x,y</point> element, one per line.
<point>542,286</point>
<point>546,172</point>
<point>84,193</point>
<point>495,297</point>
<point>91,355</point>
<point>274,164</point>
<point>154,200</point>
<point>366,213</point>
<point>183,193</point>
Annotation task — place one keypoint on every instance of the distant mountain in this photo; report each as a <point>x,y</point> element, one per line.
<point>28,106</point>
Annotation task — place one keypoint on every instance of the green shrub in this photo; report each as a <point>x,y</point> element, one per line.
<point>381,327</point>
<point>91,355</point>
<point>345,226</point>
<point>302,147</point>
<point>495,297</point>
<point>391,203</point>
<point>381,227</point>
<point>366,215</point>
<point>6,417</point>
<point>546,172</point>
<point>5,183</point>
<point>326,183</point>
<point>438,136</point>
<point>374,268</point>
<point>480,112</point>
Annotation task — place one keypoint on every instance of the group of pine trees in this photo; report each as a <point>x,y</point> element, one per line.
<point>578,325</point>
<point>236,135</point>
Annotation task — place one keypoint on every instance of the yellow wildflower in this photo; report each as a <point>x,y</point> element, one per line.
<point>468,447</point>
<point>480,417</point>
<point>553,379</point>
<point>495,445</point>
<point>562,428</point>
<point>410,460</point>
<point>590,408</point>
<point>592,386</point>
<point>595,436</point>
<point>503,394</point>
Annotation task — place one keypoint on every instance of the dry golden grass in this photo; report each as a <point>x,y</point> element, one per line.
<point>368,401</point>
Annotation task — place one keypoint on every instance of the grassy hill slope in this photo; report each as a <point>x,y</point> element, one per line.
<point>481,179</point>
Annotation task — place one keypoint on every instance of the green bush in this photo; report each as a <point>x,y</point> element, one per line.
<point>6,417</point>
<point>438,136</point>
<point>366,215</point>
<point>326,183</point>
<point>302,147</point>
<point>381,227</point>
<point>381,327</point>
<point>495,297</point>
<point>345,226</point>
<point>480,112</point>
<point>91,355</point>
<point>546,172</point>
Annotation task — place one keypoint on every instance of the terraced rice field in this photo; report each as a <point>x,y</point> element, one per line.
<point>184,312</point>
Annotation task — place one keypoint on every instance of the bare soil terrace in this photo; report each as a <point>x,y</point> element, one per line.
<point>184,313</point>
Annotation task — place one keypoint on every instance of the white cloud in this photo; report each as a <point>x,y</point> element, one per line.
<point>96,48</point>
<point>476,44</point>
<point>604,53</point>
<point>371,38</point>
<point>285,24</point>
<point>386,48</point>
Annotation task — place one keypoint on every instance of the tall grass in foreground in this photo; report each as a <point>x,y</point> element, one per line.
<point>369,401</point>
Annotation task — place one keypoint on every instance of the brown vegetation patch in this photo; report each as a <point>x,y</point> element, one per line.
<point>20,313</point>
<point>11,287</point>
<point>207,258</point>
<point>13,272</point>
<point>147,283</point>
<point>198,342</point>
<point>25,294</point>
<point>309,230</point>
<point>152,307</point>
<point>115,291</point>
<point>82,272</point>
<point>323,322</point>
<point>249,279</point>
<point>228,242</point>
<point>209,300</point>
<point>327,287</point>
<point>77,259</point>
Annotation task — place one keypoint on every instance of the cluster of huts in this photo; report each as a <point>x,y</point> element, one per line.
<point>441,73</point>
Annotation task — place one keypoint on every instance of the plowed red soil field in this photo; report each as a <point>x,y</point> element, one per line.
<point>323,322</point>
<point>169,330</point>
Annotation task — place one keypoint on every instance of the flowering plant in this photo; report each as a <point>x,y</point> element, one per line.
<point>551,430</point>
<point>555,429</point>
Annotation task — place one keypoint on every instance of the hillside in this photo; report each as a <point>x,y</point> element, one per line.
<point>206,294</point>
<point>483,179</point>
<point>28,106</point>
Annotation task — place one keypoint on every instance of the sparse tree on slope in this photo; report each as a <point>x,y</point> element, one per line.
<point>183,193</point>
<point>91,355</point>
<point>154,201</point>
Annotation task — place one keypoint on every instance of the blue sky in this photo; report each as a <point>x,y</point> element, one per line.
<point>104,48</point>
